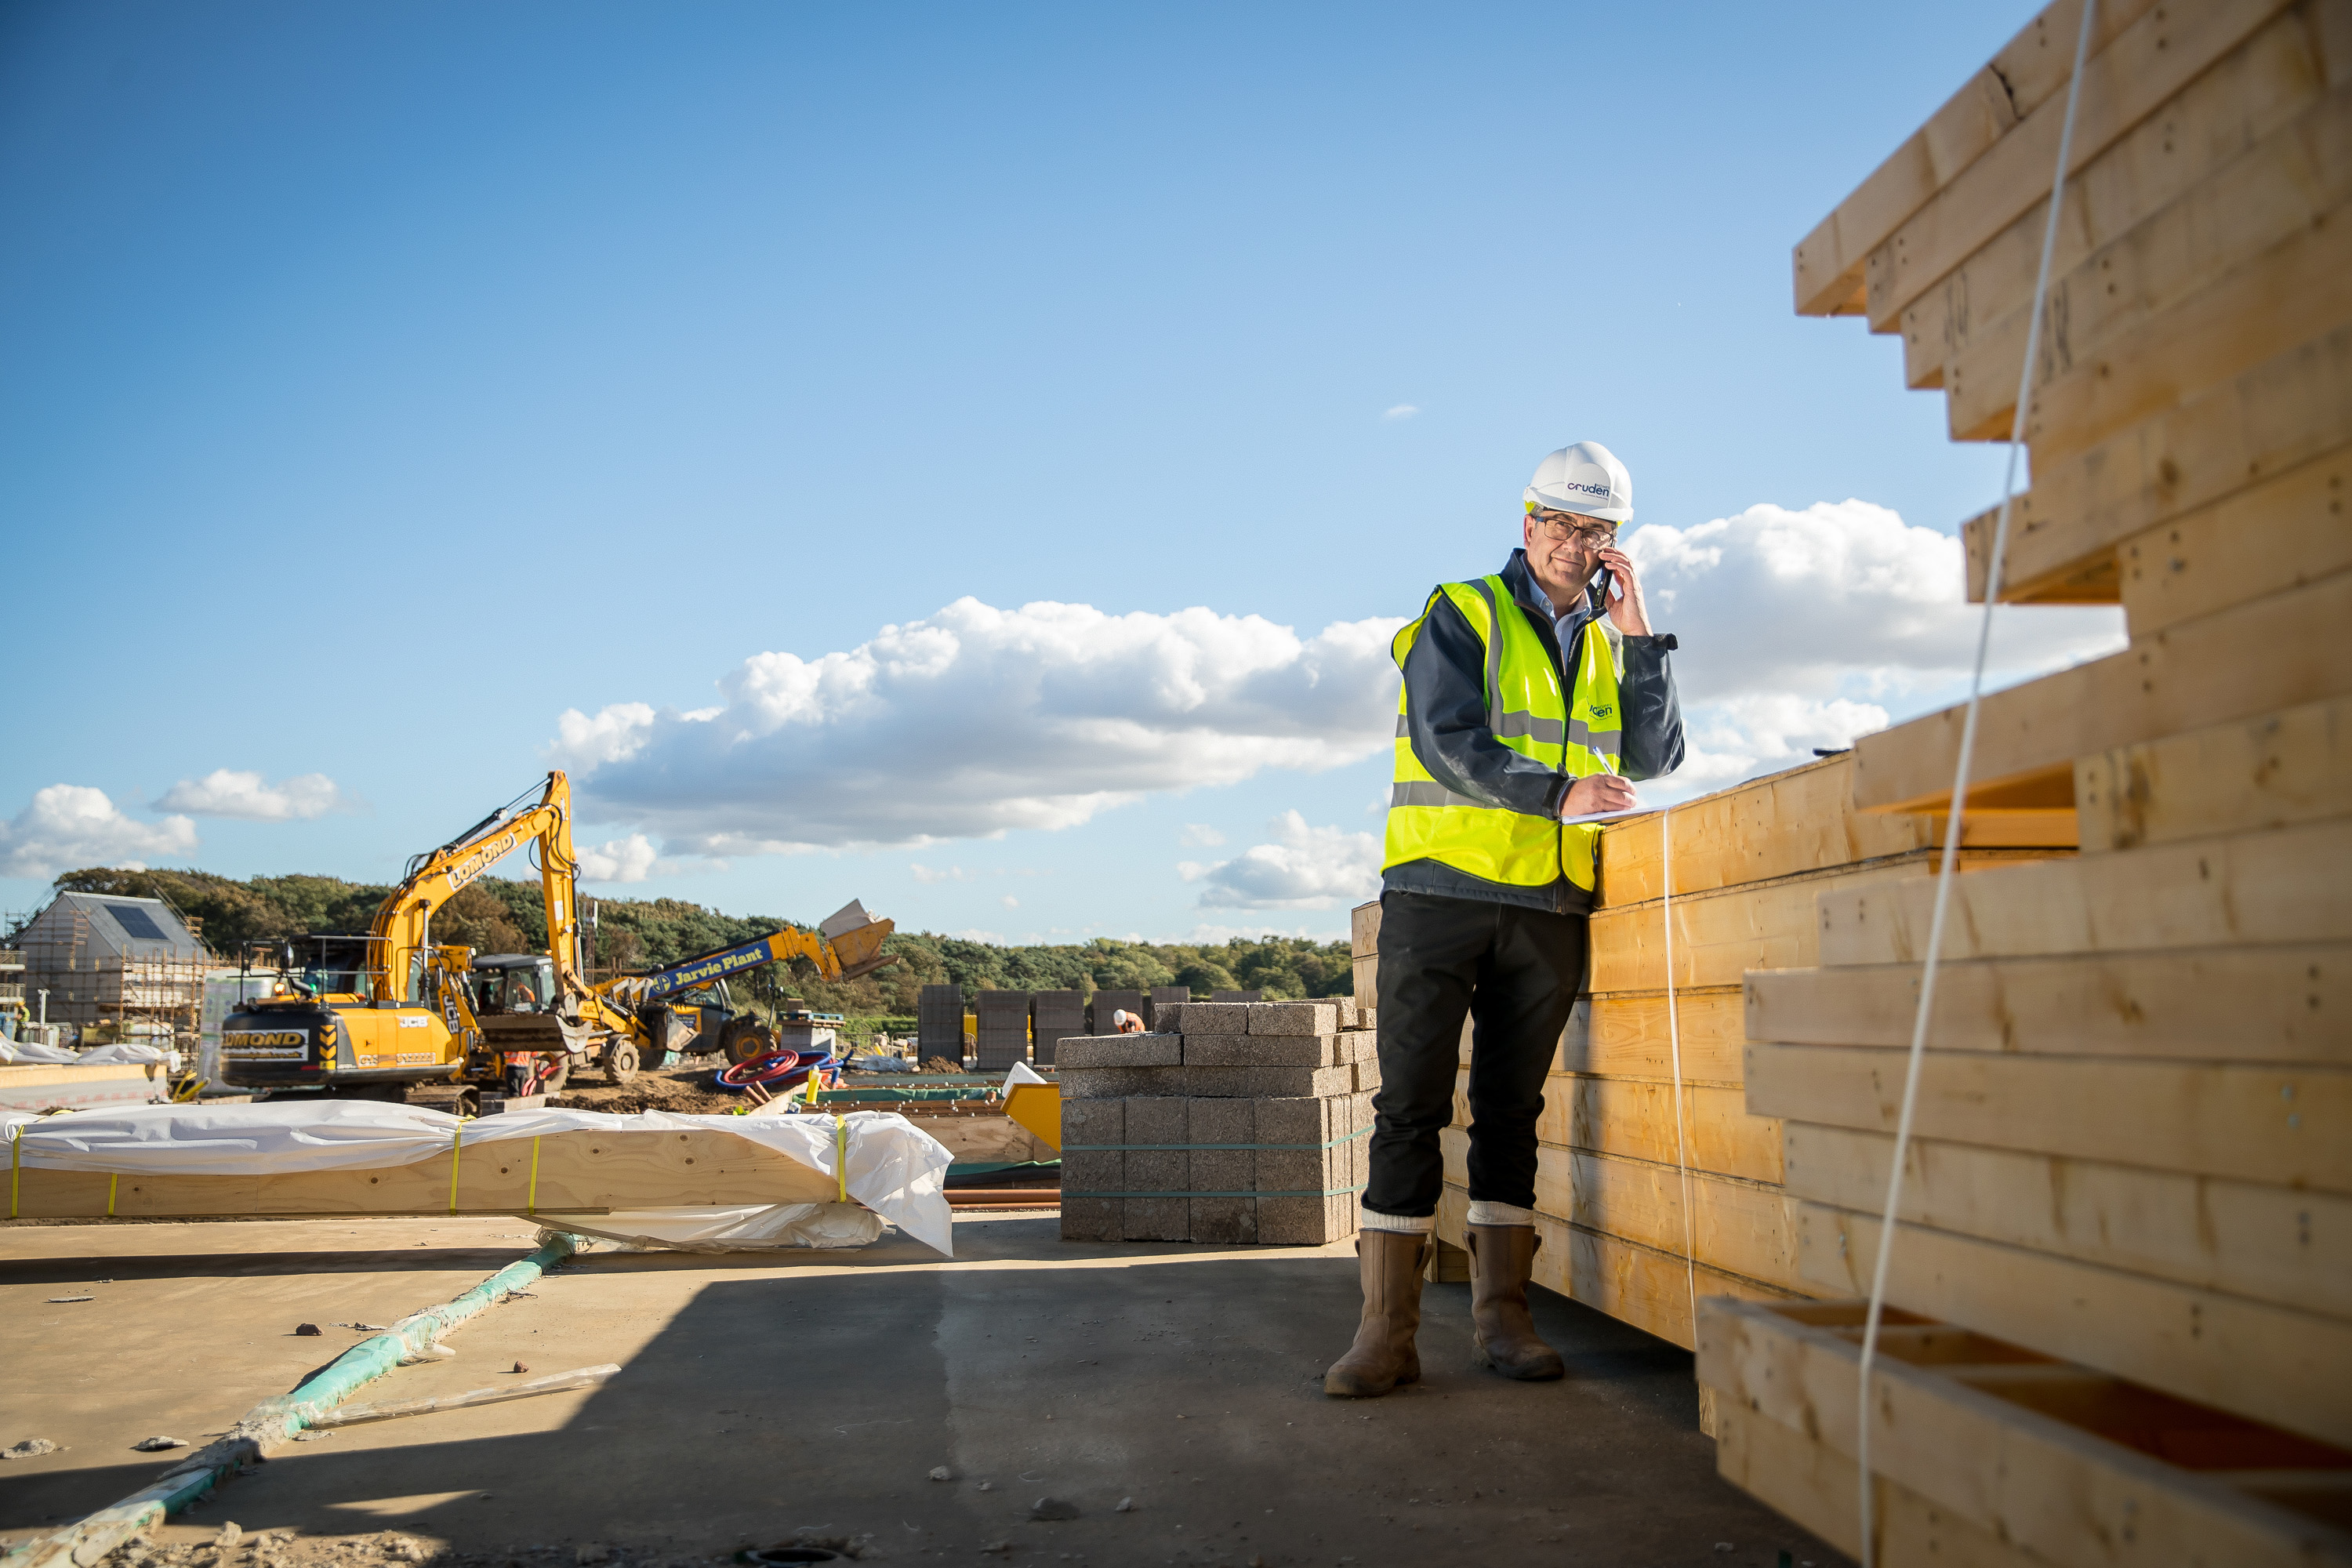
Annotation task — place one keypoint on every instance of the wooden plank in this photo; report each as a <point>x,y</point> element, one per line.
<point>2276,771</point>
<point>2287,886</point>
<point>2149,62</point>
<point>1364,930</point>
<point>2252,1123</point>
<point>2290,1004</point>
<point>1817,1488</point>
<point>2275,417</point>
<point>2036,63</point>
<point>1720,935</point>
<point>2266,1243</point>
<point>1611,1116</point>
<point>580,1172</point>
<point>1624,1035</point>
<point>2296,291</point>
<point>2253,98</point>
<point>2250,246</point>
<point>2252,658</point>
<point>2265,1363</point>
<point>1651,1290</point>
<point>1801,820</point>
<point>1741,1227</point>
<point>2071,1485</point>
<point>2285,533</point>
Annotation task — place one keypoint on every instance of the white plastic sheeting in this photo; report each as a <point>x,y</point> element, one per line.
<point>894,1167</point>
<point>735,1229</point>
<point>31,1051</point>
<point>120,1053</point>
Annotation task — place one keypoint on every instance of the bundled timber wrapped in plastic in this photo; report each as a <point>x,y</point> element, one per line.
<point>702,1180</point>
<point>2132,1150</point>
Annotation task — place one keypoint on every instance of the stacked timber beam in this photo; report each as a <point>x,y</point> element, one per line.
<point>1749,863</point>
<point>2131,1151</point>
<point>1245,1122</point>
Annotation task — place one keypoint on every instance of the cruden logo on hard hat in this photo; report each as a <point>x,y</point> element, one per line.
<point>1586,478</point>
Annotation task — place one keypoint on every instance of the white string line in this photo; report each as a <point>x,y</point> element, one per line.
<point>1952,827</point>
<point>1674,1054</point>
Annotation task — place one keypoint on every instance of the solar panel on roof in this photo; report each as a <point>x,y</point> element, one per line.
<point>136,922</point>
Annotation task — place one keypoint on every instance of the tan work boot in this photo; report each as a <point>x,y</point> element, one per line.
<point>1502,1257</point>
<point>1391,1263</point>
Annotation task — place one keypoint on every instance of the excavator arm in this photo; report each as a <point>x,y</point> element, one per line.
<point>401,936</point>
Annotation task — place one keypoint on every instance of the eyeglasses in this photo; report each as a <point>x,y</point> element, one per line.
<point>1591,536</point>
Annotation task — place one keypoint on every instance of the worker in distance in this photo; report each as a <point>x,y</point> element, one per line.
<point>1532,698</point>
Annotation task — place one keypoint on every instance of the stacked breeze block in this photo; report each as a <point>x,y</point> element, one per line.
<point>1108,1005</point>
<point>1163,1001</point>
<point>1004,1020</point>
<point>939,1022</point>
<point>1246,1122</point>
<point>1058,1014</point>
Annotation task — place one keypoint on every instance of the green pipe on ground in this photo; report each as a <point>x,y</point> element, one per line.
<point>274,1421</point>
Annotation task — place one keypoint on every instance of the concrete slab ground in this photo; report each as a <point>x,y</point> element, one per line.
<point>762,1394</point>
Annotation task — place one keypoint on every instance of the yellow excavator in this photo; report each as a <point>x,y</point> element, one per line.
<point>381,1015</point>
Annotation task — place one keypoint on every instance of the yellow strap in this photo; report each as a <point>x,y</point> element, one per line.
<point>456,1144</point>
<point>530,1203</point>
<point>812,1086</point>
<point>841,1158</point>
<point>112,1178</point>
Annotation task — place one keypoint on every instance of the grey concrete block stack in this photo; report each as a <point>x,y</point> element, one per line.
<point>1247,1121</point>
<point>1056,1015</point>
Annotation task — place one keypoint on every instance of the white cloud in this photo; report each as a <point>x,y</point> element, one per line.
<point>1401,411</point>
<point>67,827</point>
<point>1011,902</point>
<point>1736,738</point>
<point>1035,718</point>
<point>1306,869</point>
<point>1200,836</point>
<point>630,859</point>
<point>1779,602</point>
<point>614,734</point>
<point>226,792</point>
<point>1808,628</point>
<point>927,874</point>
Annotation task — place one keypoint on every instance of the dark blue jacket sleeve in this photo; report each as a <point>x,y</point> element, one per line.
<point>1445,702</point>
<point>1654,714</point>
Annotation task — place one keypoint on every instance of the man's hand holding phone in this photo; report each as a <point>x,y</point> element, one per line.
<point>1595,793</point>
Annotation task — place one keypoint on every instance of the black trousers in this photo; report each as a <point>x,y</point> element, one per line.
<point>1515,972</point>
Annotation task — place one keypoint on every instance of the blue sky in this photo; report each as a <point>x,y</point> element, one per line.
<point>379,384</point>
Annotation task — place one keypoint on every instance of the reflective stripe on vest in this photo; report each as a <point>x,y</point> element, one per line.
<point>1526,712</point>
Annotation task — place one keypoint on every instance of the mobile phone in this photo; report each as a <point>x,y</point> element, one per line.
<point>1601,586</point>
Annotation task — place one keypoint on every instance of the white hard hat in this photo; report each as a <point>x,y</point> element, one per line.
<point>1586,477</point>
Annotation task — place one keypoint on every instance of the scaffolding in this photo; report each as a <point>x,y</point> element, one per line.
<point>106,987</point>
<point>12,967</point>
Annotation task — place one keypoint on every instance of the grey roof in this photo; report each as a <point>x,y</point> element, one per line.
<point>126,928</point>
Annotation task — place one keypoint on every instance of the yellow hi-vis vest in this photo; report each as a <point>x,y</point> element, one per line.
<point>1527,711</point>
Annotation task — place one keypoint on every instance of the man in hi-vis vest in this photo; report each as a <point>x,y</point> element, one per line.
<point>1530,698</point>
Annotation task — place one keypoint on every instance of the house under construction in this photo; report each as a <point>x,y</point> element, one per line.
<point>114,967</point>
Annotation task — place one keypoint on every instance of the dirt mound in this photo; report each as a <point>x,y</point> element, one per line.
<point>688,1090</point>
